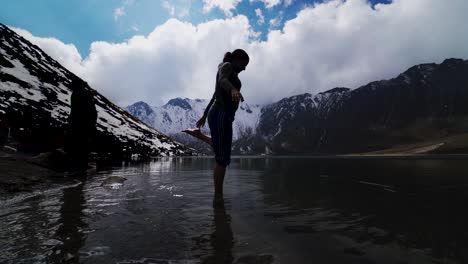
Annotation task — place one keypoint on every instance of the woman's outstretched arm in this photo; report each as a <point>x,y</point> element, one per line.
<point>202,120</point>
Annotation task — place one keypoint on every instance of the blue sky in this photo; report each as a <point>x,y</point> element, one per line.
<point>83,21</point>
<point>140,54</point>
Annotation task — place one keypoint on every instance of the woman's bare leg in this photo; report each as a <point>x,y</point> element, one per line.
<point>195,132</point>
<point>218,172</point>
<point>218,178</point>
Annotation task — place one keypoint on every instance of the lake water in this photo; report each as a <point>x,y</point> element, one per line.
<point>277,210</point>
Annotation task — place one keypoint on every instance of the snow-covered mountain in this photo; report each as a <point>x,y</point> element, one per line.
<point>289,120</point>
<point>302,108</point>
<point>35,101</point>
<point>179,114</point>
<point>426,102</point>
<point>423,103</point>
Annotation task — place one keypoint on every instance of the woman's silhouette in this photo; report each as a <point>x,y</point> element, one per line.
<point>226,100</point>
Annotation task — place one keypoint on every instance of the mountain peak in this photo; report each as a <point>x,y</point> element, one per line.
<point>182,103</point>
<point>453,61</point>
<point>336,90</point>
<point>141,106</point>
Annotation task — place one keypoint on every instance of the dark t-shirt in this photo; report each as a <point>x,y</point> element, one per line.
<point>222,96</point>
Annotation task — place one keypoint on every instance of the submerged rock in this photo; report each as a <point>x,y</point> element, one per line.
<point>112,180</point>
<point>55,160</point>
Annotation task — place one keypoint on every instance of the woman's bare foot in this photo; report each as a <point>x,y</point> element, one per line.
<point>195,132</point>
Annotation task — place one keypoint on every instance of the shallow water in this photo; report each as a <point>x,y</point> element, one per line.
<point>278,210</point>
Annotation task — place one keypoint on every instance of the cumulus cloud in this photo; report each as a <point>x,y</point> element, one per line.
<point>335,43</point>
<point>66,54</point>
<point>224,5</point>
<point>261,18</point>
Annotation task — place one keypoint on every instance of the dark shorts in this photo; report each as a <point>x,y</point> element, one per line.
<point>220,123</point>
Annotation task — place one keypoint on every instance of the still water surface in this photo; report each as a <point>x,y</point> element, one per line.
<point>277,210</point>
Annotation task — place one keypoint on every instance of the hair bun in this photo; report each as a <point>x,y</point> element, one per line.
<point>227,57</point>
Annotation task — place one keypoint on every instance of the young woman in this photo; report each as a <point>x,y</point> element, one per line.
<point>226,100</point>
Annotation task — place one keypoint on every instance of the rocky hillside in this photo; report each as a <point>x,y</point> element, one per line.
<point>35,103</point>
<point>426,102</point>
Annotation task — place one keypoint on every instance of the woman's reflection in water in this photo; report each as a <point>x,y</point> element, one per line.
<point>70,232</point>
<point>222,240</point>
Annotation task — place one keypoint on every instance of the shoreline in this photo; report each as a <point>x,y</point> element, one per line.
<point>344,157</point>
<point>19,174</point>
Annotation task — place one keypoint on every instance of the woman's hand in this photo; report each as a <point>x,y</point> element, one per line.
<point>201,122</point>
<point>236,96</point>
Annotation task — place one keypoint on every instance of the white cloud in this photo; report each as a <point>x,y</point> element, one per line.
<point>66,54</point>
<point>261,18</point>
<point>331,44</point>
<point>275,22</point>
<point>184,12</point>
<point>271,3</point>
<point>287,2</point>
<point>179,8</point>
<point>224,5</point>
<point>118,12</point>
<point>170,8</point>
<point>255,35</point>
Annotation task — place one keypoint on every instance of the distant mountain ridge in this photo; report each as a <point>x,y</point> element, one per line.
<point>426,102</point>
<point>35,104</point>
<point>181,113</point>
